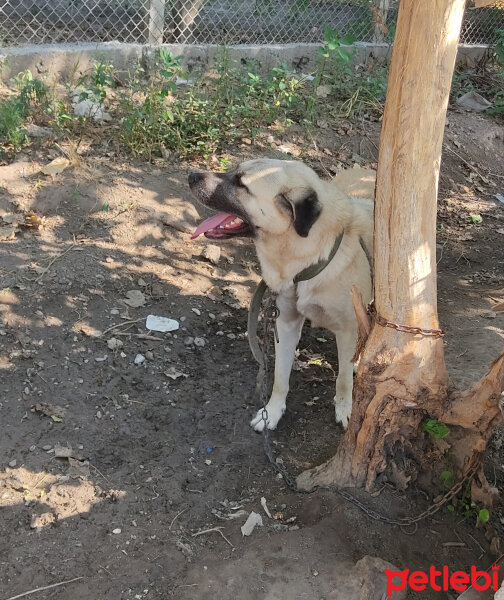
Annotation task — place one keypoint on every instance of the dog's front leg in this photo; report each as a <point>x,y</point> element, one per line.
<point>346,340</point>
<point>289,325</point>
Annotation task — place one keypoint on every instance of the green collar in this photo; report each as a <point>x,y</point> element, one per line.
<point>313,270</point>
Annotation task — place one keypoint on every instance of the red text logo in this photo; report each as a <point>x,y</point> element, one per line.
<point>442,580</point>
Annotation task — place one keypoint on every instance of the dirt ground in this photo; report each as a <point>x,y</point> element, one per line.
<point>157,452</point>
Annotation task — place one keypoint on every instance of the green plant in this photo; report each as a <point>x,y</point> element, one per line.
<point>448,479</point>
<point>12,132</point>
<point>94,84</point>
<point>331,52</point>
<point>436,429</point>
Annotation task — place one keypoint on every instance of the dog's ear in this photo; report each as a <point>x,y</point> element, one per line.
<point>306,211</point>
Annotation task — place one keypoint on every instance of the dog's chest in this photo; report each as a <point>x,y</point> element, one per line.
<point>314,312</point>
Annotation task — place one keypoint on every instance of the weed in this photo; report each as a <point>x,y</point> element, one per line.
<point>436,429</point>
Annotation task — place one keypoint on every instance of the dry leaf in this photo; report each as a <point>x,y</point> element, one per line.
<point>78,468</point>
<point>8,232</point>
<point>58,165</point>
<point>33,220</point>
<point>173,373</point>
<point>136,298</point>
<point>50,410</point>
<point>63,451</point>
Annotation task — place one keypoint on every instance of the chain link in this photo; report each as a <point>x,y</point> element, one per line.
<point>404,328</point>
<point>270,315</point>
<point>213,21</point>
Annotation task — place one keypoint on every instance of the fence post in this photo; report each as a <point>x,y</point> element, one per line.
<point>156,22</point>
<point>382,8</point>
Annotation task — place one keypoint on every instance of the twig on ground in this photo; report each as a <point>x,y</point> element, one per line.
<point>61,255</point>
<point>213,529</point>
<point>468,164</point>
<point>122,324</point>
<point>177,516</point>
<point>41,589</point>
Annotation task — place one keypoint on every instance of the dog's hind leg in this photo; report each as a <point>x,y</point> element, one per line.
<point>346,339</point>
<point>289,325</point>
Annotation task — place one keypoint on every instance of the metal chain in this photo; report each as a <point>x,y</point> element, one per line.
<point>404,328</point>
<point>270,315</point>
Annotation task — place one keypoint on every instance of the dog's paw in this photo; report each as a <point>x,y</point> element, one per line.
<point>275,413</point>
<point>342,410</point>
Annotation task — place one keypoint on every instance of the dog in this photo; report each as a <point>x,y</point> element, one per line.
<point>294,218</point>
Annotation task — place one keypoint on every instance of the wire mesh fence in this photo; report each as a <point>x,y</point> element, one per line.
<point>215,21</point>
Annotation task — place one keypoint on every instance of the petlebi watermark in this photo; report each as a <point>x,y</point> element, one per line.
<point>441,580</point>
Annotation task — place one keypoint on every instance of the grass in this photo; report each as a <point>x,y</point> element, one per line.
<point>163,114</point>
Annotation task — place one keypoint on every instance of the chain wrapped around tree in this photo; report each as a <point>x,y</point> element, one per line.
<point>402,380</point>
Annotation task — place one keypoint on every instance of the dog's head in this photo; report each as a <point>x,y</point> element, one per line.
<point>260,197</point>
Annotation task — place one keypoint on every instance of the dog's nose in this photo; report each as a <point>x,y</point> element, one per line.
<point>194,177</point>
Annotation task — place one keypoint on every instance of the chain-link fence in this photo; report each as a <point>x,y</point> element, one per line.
<point>215,21</point>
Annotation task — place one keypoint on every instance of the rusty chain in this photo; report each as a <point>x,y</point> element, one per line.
<point>270,315</point>
<point>400,327</point>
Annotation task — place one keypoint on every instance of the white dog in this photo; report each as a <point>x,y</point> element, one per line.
<point>295,218</point>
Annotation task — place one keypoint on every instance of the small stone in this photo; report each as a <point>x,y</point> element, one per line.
<point>101,358</point>
<point>114,343</point>
<point>99,414</point>
<point>13,463</point>
<point>208,462</point>
<point>231,336</point>
<point>149,355</point>
<point>189,341</point>
<point>116,531</point>
<point>47,447</point>
<point>141,282</point>
<point>211,253</point>
<point>199,342</point>
<point>33,448</point>
<point>219,333</point>
<point>114,311</point>
<point>196,311</point>
<point>211,315</point>
<point>139,359</point>
<point>27,391</point>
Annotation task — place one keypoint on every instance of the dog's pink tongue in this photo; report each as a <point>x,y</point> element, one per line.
<point>211,223</point>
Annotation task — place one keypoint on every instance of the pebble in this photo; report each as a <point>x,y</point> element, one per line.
<point>101,358</point>
<point>116,531</point>
<point>13,463</point>
<point>27,391</point>
<point>199,342</point>
<point>212,253</point>
<point>114,311</point>
<point>149,355</point>
<point>219,333</point>
<point>141,282</point>
<point>211,315</point>
<point>47,447</point>
<point>99,414</point>
<point>196,311</point>
<point>114,343</point>
<point>231,336</point>
<point>139,359</point>
<point>33,448</point>
<point>189,341</point>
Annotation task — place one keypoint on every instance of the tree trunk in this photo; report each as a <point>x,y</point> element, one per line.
<point>402,378</point>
